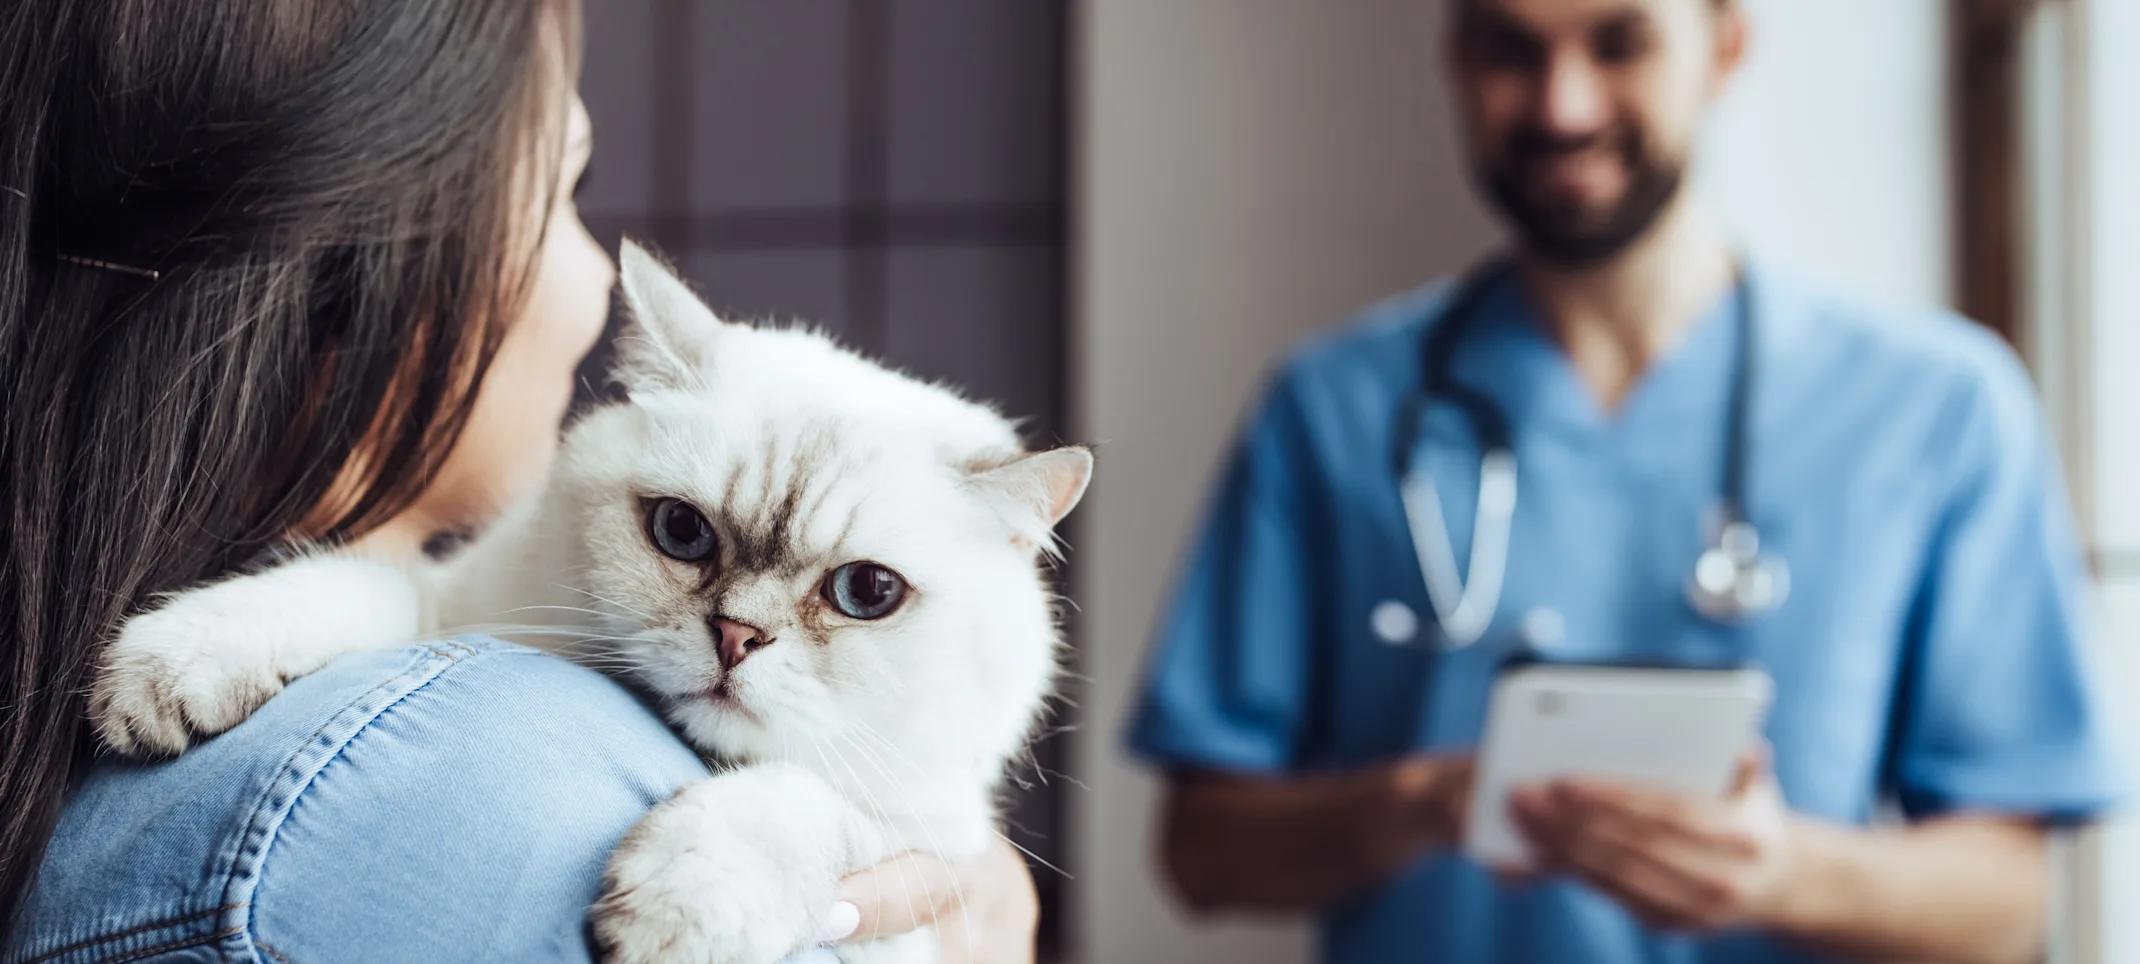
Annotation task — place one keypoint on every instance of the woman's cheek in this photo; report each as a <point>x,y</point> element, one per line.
<point>575,284</point>
<point>511,437</point>
<point>566,311</point>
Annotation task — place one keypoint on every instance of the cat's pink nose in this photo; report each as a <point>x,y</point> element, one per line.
<point>735,641</point>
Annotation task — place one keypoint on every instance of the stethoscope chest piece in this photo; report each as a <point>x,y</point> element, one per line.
<point>1543,628</point>
<point>1394,622</point>
<point>1733,580</point>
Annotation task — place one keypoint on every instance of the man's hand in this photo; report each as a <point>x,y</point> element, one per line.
<point>1675,862</point>
<point>1437,791</point>
<point>1963,887</point>
<point>1300,843</point>
<point>984,909</point>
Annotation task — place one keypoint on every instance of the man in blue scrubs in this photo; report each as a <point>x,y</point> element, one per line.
<point>1929,659</point>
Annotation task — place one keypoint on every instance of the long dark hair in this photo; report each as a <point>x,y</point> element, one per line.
<point>254,257</point>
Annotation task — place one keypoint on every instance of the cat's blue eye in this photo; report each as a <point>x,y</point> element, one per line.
<point>865,590</point>
<point>680,531</point>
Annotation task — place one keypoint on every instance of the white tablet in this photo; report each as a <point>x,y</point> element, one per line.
<point>1674,729</point>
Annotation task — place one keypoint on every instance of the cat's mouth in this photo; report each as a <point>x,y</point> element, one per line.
<point>723,695</point>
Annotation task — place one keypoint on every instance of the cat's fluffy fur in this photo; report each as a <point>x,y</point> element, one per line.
<point>844,740</point>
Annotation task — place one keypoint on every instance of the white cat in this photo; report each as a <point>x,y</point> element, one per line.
<point>824,572</point>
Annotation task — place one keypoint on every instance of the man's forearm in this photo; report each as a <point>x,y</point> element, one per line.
<point>1304,843</point>
<point>1962,889</point>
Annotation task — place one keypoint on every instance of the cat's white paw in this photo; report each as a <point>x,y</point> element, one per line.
<point>742,868</point>
<point>209,657</point>
<point>170,676</point>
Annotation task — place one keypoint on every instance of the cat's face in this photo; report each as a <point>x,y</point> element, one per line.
<point>808,557</point>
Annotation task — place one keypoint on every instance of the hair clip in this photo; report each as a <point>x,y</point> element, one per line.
<point>111,266</point>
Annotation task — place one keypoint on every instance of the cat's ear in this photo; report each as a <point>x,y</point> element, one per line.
<point>1035,492</point>
<point>669,335</point>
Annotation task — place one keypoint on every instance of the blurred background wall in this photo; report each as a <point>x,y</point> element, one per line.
<point>2087,352</point>
<point>1111,216</point>
<point>1248,171</point>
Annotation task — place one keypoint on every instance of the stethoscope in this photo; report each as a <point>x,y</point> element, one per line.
<point>1732,579</point>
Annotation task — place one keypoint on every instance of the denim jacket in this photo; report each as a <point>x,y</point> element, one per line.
<point>447,802</point>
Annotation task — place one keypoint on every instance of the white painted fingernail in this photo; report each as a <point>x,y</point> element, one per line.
<point>843,920</point>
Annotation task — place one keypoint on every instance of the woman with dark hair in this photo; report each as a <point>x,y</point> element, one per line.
<point>277,273</point>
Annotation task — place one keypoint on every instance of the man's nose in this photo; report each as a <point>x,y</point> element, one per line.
<point>734,640</point>
<point>1572,102</point>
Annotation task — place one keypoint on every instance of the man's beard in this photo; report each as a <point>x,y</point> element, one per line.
<point>1569,234</point>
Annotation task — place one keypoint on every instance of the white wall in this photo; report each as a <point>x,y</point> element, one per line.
<point>1830,153</point>
<point>1250,170</point>
<point>2100,342</point>
<point>2113,302</point>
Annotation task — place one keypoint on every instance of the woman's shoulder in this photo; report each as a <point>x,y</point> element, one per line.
<point>452,801</point>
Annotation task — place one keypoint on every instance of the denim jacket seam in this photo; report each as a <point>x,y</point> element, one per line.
<point>297,773</point>
<point>146,952</point>
<point>138,929</point>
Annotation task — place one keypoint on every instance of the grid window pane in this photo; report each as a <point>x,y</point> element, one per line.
<point>975,95</point>
<point>779,286</point>
<point>615,85</point>
<point>980,317</point>
<point>770,125</point>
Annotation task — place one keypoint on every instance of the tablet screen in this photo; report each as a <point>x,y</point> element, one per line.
<point>1675,729</point>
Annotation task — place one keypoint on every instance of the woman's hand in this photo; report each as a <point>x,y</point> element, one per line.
<point>984,909</point>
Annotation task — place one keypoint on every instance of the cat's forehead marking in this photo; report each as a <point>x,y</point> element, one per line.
<point>768,512</point>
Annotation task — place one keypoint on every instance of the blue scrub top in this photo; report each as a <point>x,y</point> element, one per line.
<point>1932,651</point>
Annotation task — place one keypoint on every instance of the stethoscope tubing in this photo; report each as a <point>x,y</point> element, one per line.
<point>1465,603</point>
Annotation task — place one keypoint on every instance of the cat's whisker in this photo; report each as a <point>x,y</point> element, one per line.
<point>582,639</point>
<point>561,639</point>
<point>884,818</point>
<point>598,643</point>
<point>1036,858</point>
<point>522,629</point>
<point>598,597</point>
<point>597,648</point>
<point>865,729</point>
<point>957,890</point>
<point>899,756</point>
<point>885,742</point>
<point>882,740</point>
<point>607,662</point>
<point>584,648</point>
<point>569,609</point>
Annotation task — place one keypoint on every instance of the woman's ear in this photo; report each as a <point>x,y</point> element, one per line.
<point>668,338</point>
<point>1035,492</point>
